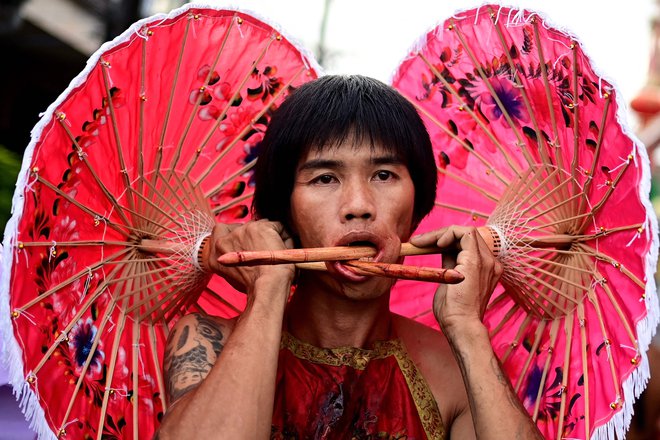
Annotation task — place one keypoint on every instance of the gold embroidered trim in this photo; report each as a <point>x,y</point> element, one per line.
<point>353,357</point>
<point>358,358</point>
<point>427,407</point>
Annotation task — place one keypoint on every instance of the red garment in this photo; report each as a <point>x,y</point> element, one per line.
<point>352,393</point>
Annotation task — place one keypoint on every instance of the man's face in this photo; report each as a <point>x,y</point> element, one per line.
<point>353,195</point>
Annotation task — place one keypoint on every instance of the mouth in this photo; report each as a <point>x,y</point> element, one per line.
<point>357,239</point>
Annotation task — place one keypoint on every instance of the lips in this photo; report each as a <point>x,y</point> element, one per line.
<point>357,238</point>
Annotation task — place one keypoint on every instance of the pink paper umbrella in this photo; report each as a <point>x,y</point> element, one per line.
<point>529,141</point>
<point>126,173</point>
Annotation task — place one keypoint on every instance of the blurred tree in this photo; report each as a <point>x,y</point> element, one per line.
<point>10,164</point>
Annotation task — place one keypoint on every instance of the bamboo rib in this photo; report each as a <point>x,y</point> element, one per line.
<point>141,106</point>
<point>554,330</point>
<point>556,277</point>
<point>466,108</point>
<point>111,369</point>
<point>549,210</point>
<point>591,251</point>
<point>506,319</point>
<point>463,210</point>
<point>116,226</point>
<point>220,299</point>
<point>536,189</point>
<point>469,185</point>
<point>610,190</point>
<point>585,368</point>
<point>546,82</point>
<point>115,130</point>
<point>601,321</point>
<point>156,360</point>
<point>532,300</point>
<point>170,102</point>
<point>216,189</point>
<point>568,330</point>
<point>587,185</point>
<point>80,243</point>
<point>516,339</point>
<point>135,398</point>
<point>576,132</point>
<point>234,202</point>
<point>530,111</point>
<point>88,361</point>
<point>530,355</point>
<point>493,93</point>
<point>217,123</point>
<point>449,133</point>
<point>83,157</point>
<point>70,280</point>
<point>191,118</point>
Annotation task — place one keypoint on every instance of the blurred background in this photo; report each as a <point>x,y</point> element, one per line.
<point>45,44</point>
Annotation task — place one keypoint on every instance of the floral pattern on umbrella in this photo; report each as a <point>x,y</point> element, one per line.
<point>528,141</point>
<point>125,174</point>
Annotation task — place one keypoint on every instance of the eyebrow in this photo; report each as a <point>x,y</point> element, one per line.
<point>315,164</point>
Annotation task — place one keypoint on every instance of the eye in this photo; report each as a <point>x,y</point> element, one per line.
<point>383,175</point>
<point>324,179</point>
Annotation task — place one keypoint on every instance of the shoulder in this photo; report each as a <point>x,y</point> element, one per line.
<point>193,346</point>
<point>433,356</point>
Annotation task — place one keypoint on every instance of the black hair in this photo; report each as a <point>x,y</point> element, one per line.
<point>332,110</point>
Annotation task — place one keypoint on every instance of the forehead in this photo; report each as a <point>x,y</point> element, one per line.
<point>348,151</point>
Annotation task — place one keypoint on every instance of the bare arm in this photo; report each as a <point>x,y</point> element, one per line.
<point>493,410</point>
<point>221,382</point>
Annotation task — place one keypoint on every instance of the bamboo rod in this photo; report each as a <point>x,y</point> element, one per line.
<point>216,189</point>
<point>391,270</point>
<point>554,330</point>
<point>585,368</point>
<point>568,331</point>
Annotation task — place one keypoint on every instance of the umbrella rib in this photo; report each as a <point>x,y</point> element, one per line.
<point>124,171</point>
<point>530,355</point>
<point>135,398</point>
<point>236,201</point>
<point>542,185</point>
<point>70,280</point>
<point>88,361</point>
<point>550,209</point>
<point>74,243</point>
<point>167,216</point>
<point>554,330</point>
<point>213,191</point>
<point>97,293</point>
<point>207,80</point>
<point>509,314</point>
<point>612,185</point>
<point>556,276</point>
<point>493,93</point>
<point>576,125</point>
<point>449,133</point>
<point>466,108</point>
<point>546,82</point>
<point>170,102</point>
<point>153,222</point>
<point>568,330</point>
<point>116,226</point>
<point>522,274</point>
<point>111,369</point>
<point>133,276</point>
<point>599,143</point>
<point>220,299</point>
<point>461,209</point>
<point>220,118</point>
<point>158,368</point>
<point>539,135</point>
<point>142,103</point>
<point>615,377</point>
<point>599,255</point>
<point>173,191</point>
<point>468,184</point>
<point>585,367</point>
<point>557,264</point>
<point>243,132</point>
<point>83,157</point>
<point>516,339</point>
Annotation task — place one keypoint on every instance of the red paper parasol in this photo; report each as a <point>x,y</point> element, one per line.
<point>529,141</point>
<point>151,144</point>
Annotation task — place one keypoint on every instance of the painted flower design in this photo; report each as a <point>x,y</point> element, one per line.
<point>81,341</point>
<point>509,96</point>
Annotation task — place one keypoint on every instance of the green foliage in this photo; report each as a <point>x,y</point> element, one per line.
<point>10,165</point>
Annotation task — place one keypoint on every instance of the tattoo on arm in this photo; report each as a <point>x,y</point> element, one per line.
<point>190,355</point>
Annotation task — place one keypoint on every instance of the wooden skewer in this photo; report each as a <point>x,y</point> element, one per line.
<point>337,253</point>
<point>400,271</point>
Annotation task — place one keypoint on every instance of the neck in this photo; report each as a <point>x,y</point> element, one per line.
<point>325,319</point>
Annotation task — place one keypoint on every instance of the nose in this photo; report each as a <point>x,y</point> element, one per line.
<point>357,202</point>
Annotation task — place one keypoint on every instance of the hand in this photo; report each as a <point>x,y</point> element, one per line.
<point>254,235</point>
<point>464,250</point>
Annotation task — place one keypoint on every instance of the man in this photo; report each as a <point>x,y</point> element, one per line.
<point>346,160</point>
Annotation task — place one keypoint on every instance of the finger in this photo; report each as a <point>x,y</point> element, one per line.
<point>427,238</point>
